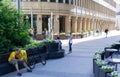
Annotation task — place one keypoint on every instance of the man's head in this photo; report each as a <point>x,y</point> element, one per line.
<point>17,51</point>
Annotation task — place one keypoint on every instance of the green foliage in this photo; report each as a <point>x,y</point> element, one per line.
<point>100,62</point>
<point>97,55</point>
<point>39,43</point>
<point>114,74</point>
<point>29,46</point>
<point>34,44</point>
<point>48,40</point>
<point>108,68</point>
<point>13,27</point>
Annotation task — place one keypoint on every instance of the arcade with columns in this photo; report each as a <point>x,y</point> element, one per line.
<point>70,16</point>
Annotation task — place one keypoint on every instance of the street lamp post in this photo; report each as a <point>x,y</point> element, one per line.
<point>76,18</point>
<point>18,4</point>
<point>31,11</point>
<point>18,8</point>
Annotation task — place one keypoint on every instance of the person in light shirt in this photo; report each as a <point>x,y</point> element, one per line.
<point>70,43</point>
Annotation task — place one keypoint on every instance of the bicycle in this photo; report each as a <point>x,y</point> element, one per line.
<point>32,61</point>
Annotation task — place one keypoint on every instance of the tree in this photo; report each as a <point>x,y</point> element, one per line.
<point>14,29</point>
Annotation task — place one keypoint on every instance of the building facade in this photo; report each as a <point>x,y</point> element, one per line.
<point>69,16</point>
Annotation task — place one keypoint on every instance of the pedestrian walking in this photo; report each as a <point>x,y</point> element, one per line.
<point>70,43</point>
<point>106,32</point>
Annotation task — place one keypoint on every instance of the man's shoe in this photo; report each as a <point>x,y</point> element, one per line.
<point>29,70</point>
<point>19,74</point>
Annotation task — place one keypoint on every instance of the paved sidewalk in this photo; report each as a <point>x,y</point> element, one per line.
<point>76,64</point>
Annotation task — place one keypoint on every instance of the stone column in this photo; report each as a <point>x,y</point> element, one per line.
<point>48,0</point>
<point>97,25</point>
<point>57,1</point>
<point>73,24</point>
<point>39,35</point>
<point>89,24</point>
<point>63,1</point>
<point>39,24</point>
<point>78,25</point>
<point>84,24</point>
<point>81,24</point>
<point>94,26</point>
<point>56,24</point>
<point>67,24</point>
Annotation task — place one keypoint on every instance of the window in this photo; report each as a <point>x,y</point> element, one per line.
<point>60,1</point>
<point>14,0</point>
<point>45,23</point>
<point>52,0</point>
<point>67,1</point>
<point>62,24</point>
<point>24,0</point>
<point>33,0</point>
<point>43,0</point>
<point>71,2</point>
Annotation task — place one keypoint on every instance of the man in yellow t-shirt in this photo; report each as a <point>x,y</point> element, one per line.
<point>19,56</point>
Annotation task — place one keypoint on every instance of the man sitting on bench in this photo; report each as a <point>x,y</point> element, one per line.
<point>16,57</point>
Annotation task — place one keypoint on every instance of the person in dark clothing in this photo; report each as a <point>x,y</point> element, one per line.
<point>106,31</point>
<point>59,43</point>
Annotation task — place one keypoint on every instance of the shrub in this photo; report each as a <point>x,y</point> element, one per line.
<point>13,27</point>
<point>97,55</point>
<point>107,68</point>
<point>114,74</point>
<point>100,62</point>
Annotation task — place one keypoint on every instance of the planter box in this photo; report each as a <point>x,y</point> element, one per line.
<point>4,58</point>
<point>36,54</point>
<point>52,47</point>
<point>4,68</point>
<point>103,55</point>
<point>55,55</point>
<point>108,75</point>
<point>102,73</point>
<point>96,69</point>
<point>94,65</point>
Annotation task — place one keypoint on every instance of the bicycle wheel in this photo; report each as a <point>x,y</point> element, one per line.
<point>32,65</point>
<point>43,62</point>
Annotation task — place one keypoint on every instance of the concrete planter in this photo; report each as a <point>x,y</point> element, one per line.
<point>94,65</point>
<point>108,75</point>
<point>96,69</point>
<point>102,73</point>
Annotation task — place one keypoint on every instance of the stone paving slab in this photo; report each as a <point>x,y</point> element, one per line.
<point>76,64</point>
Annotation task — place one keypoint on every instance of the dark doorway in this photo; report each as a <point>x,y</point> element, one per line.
<point>45,23</point>
<point>62,24</point>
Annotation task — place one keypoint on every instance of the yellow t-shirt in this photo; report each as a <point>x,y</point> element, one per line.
<point>21,55</point>
<point>24,55</point>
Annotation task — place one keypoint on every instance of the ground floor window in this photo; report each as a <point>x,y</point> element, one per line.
<point>43,0</point>
<point>71,1</point>
<point>62,24</point>
<point>60,1</point>
<point>67,1</point>
<point>34,0</point>
<point>52,0</point>
<point>45,23</point>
